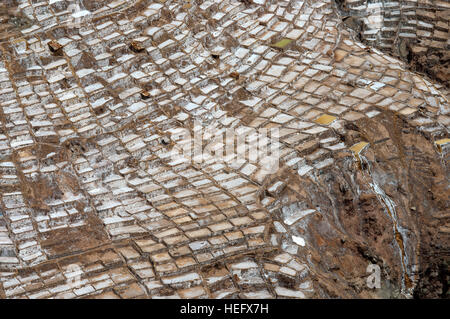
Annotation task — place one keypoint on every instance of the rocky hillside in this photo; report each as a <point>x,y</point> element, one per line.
<point>98,201</point>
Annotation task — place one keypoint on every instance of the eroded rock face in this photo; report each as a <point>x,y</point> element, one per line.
<point>415,31</point>
<point>388,207</point>
<point>94,205</point>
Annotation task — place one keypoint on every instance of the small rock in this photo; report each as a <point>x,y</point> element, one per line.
<point>55,47</point>
<point>145,95</point>
<point>234,75</point>
<point>136,47</point>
